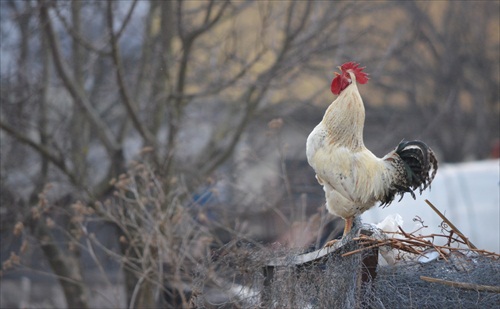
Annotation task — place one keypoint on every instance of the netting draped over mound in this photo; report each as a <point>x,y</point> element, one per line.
<point>402,285</point>
<point>330,282</point>
<point>340,279</point>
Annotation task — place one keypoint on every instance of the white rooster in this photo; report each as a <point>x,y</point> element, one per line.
<point>353,178</point>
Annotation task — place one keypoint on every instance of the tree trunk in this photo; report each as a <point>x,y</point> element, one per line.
<point>64,266</point>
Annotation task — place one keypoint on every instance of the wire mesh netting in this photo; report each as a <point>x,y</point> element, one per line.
<point>350,276</point>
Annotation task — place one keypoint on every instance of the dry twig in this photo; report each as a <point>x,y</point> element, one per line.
<point>463,285</point>
<point>419,244</point>
<point>453,227</point>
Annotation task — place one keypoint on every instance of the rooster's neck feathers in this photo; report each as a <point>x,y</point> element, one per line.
<point>345,117</point>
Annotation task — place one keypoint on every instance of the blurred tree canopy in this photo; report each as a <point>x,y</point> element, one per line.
<point>88,85</point>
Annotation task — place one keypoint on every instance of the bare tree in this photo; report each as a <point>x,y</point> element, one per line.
<point>96,95</point>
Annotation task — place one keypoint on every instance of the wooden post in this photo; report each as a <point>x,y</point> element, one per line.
<point>367,274</point>
<point>268,271</point>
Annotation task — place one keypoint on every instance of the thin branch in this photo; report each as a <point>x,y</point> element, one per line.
<point>208,12</point>
<point>252,97</point>
<point>208,24</point>
<point>463,285</point>
<point>255,93</point>
<point>76,93</point>
<point>41,149</point>
<point>125,21</point>
<point>431,36</point>
<point>189,38</point>
<point>127,100</point>
<point>291,34</point>
<point>217,88</point>
<point>179,101</point>
<point>78,37</point>
<point>453,227</point>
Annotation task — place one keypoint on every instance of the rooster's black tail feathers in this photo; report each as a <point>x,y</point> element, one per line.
<point>417,167</point>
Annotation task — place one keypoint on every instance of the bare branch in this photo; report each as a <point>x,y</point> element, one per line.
<point>76,93</point>
<point>127,100</point>
<point>41,149</point>
<point>465,239</point>
<point>125,21</point>
<point>76,35</point>
<point>179,101</point>
<point>463,285</point>
<point>252,98</point>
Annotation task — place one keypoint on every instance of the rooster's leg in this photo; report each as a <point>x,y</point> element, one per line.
<point>348,225</point>
<point>347,229</point>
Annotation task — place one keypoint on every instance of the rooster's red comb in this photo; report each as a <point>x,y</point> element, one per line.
<point>361,77</point>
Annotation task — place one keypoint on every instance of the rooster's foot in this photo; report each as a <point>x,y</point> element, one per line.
<point>331,243</point>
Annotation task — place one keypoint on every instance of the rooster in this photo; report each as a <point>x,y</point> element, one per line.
<point>353,178</point>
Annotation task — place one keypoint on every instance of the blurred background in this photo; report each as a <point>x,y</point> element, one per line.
<point>139,136</point>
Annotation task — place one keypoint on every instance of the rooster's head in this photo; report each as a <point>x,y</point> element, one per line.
<point>343,79</point>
